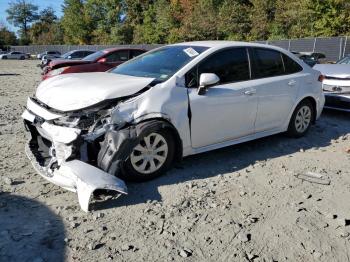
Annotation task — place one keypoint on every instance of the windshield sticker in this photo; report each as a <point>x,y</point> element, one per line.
<point>191,52</point>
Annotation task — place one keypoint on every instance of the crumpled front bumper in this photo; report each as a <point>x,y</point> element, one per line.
<point>72,174</point>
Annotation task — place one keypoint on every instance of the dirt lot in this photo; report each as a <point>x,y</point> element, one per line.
<point>241,203</point>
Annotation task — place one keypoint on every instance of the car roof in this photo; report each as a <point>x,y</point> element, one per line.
<point>223,44</point>
<point>219,43</point>
<point>76,50</point>
<point>112,49</point>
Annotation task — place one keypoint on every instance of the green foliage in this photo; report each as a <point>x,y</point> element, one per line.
<point>331,17</point>
<point>104,17</point>
<point>47,31</point>
<point>22,13</point>
<point>169,21</point>
<point>76,24</point>
<point>292,19</point>
<point>7,38</point>
<point>234,21</point>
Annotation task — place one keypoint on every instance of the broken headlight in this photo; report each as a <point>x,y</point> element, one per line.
<point>68,121</point>
<point>84,120</point>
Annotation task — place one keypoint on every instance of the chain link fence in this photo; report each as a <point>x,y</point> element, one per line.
<point>333,47</point>
<point>38,49</point>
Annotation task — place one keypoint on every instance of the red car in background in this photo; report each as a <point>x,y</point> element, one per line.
<point>99,61</point>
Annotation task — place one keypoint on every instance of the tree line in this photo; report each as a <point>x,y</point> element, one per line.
<point>169,21</point>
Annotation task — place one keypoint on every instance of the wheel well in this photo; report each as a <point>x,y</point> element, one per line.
<point>314,106</point>
<point>175,134</point>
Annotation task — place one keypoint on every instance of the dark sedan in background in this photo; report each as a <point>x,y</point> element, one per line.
<point>71,55</point>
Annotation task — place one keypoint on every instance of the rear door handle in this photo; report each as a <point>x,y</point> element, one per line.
<point>292,83</point>
<point>250,92</point>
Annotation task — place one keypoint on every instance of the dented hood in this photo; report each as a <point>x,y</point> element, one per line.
<point>69,92</point>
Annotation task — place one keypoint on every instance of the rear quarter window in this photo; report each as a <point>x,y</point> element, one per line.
<point>290,65</point>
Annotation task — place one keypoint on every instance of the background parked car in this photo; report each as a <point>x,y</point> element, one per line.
<point>13,55</point>
<point>71,55</point>
<point>336,84</point>
<point>345,60</point>
<point>49,53</point>
<point>311,58</point>
<point>99,61</point>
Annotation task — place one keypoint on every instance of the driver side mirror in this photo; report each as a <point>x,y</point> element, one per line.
<point>102,60</point>
<point>207,80</point>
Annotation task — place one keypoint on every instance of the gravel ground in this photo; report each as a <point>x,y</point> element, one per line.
<point>241,203</point>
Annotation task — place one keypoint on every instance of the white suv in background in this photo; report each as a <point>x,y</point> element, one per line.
<point>88,129</point>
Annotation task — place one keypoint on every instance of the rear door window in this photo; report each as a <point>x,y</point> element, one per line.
<point>230,65</point>
<point>266,63</point>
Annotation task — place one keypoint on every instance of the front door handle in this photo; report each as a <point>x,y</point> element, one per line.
<point>250,92</point>
<point>292,83</point>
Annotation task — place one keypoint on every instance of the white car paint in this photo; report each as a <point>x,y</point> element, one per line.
<point>13,55</point>
<point>336,85</point>
<point>226,114</point>
<point>77,91</point>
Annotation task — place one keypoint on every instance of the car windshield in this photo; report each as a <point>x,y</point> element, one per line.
<point>94,56</point>
<point>160,64</point>
<point>344,61</point>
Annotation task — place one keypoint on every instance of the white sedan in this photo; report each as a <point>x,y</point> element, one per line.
<point>90,130</point>
<point>13,55</point>
<point>336,84</point>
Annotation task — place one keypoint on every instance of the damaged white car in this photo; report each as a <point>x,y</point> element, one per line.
<point>93,130</point>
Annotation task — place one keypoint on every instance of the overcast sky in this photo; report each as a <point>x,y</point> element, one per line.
<point>55,4</point>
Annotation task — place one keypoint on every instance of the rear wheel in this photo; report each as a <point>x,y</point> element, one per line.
<point>22,58</point>
<point>150,158</point>
<point>301,120</point>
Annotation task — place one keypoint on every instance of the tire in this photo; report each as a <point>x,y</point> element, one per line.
<point>4,57</point>
<point>22,58</point>
<point>301,119</point>
<point>133,166</point>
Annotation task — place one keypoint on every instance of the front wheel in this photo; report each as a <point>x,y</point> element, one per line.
<point>301,120</point>
<point>150,158</point>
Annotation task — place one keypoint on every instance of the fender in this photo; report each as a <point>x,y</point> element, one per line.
<point>296,104</point>
<point>119,144</point>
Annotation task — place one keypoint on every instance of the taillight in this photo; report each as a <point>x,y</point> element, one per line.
<point>321,78</point>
